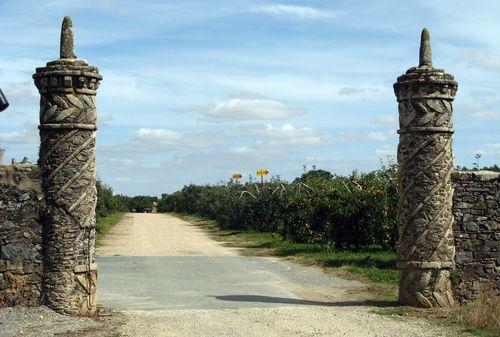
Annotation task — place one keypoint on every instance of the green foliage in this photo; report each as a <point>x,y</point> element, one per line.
<point>139,203</point>
<point>314,174</point>
<point>107,202</point>
<point>351,212</point>
<point>394,311</point>
<point>455,276</point>
<point>494,168</point>
<point>376,264</point>
<point>109,209</point>
<point>103,224</point>
<point>481,332</point>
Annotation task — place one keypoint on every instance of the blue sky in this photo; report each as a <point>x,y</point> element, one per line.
<point>195,91</point>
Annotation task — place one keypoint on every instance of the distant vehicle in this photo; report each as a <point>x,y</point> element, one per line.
<point>134,210</point>
<point>147,210</point>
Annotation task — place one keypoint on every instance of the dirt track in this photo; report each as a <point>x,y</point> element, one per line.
<point>166,277</point>
<point>316,304</point>
<point>142,234</point>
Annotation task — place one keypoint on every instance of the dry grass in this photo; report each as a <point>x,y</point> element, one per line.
<point>483,314</point>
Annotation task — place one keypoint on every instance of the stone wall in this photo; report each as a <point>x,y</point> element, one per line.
<point>20,235</point>
<point>476,209</point>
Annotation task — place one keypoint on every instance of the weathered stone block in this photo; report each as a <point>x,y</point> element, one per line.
<point>21,203</point>
<point>477,232</point>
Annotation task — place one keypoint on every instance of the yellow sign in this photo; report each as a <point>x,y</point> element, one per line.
<point>262,172</point>
<point>237,176</point>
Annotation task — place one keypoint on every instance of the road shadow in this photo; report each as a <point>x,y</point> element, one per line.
<point>297,301</point>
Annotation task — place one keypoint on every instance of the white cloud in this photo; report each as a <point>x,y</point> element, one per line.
<point>480,110</point>
<point>156,135</point>
<point>105,117</point>
<point>281,136</point>
<point>248,107</point>
<point>491,149</point>
<point>241,149</point>
<point>386,120</point>
<point>386,150</point>
<point>121,161</point>
<point>148,140</point>
<point>350,91</point>
<point>145,140</point>
<point>19,93</point>
<point>378,135</point>
<point>302,12</point>
<point>121,179</point>
<point>358,136</point>
<point>480,59</point>
<point>486,115</point>
<point>483,93</point>
<point>19,137</point>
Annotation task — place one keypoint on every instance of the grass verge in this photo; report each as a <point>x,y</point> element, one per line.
<point>373,264</point>
<point>481,318</point>
<point>103,225</point>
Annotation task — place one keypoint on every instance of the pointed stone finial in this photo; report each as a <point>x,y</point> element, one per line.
<point>67,48</point>
<point>425,49</point>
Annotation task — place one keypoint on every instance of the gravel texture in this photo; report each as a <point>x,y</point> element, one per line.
<point>274,322</point>
<point>41,322</point>
<point>147,234</point>
<point>312,308</point>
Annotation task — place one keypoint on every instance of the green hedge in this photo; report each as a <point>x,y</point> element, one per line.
<point>345,212</point>
<point>107,202</point>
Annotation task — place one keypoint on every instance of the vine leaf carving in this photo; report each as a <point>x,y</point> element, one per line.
<point>427,118</point>
<point>87,101</point>
<point>406,115</point>
<point>49,113</point>
<point>65,113</point>
<point>442,120</point>
<point>75,101</point>
<point>60,101</point>
<point>448,105</point>
<point>434,105</point>
<point>420,108</point>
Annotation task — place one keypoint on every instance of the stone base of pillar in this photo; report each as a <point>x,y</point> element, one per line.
<point>425,288</point>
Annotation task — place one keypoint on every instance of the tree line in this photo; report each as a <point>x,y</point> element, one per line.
<point>109,203</point>
<point>346,212</point>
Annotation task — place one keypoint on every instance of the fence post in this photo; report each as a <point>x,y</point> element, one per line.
<point>426,250</point>
<point>68,117</point>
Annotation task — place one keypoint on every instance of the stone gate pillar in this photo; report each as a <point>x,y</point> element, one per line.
<point>426,249</point>
<point>67,159</point>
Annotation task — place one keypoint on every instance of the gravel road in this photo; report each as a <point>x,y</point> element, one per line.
<point>147,234</point>
<point>166,277</point>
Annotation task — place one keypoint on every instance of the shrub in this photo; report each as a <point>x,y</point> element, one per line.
<point>107,202</point>
<point>346,212</point>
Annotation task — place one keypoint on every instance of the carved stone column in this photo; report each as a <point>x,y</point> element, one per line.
<point>426,249</point>
<point>67,159</point>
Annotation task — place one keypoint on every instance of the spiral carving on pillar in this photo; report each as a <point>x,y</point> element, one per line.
<point>67,159</point>
<point>426,248</point>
